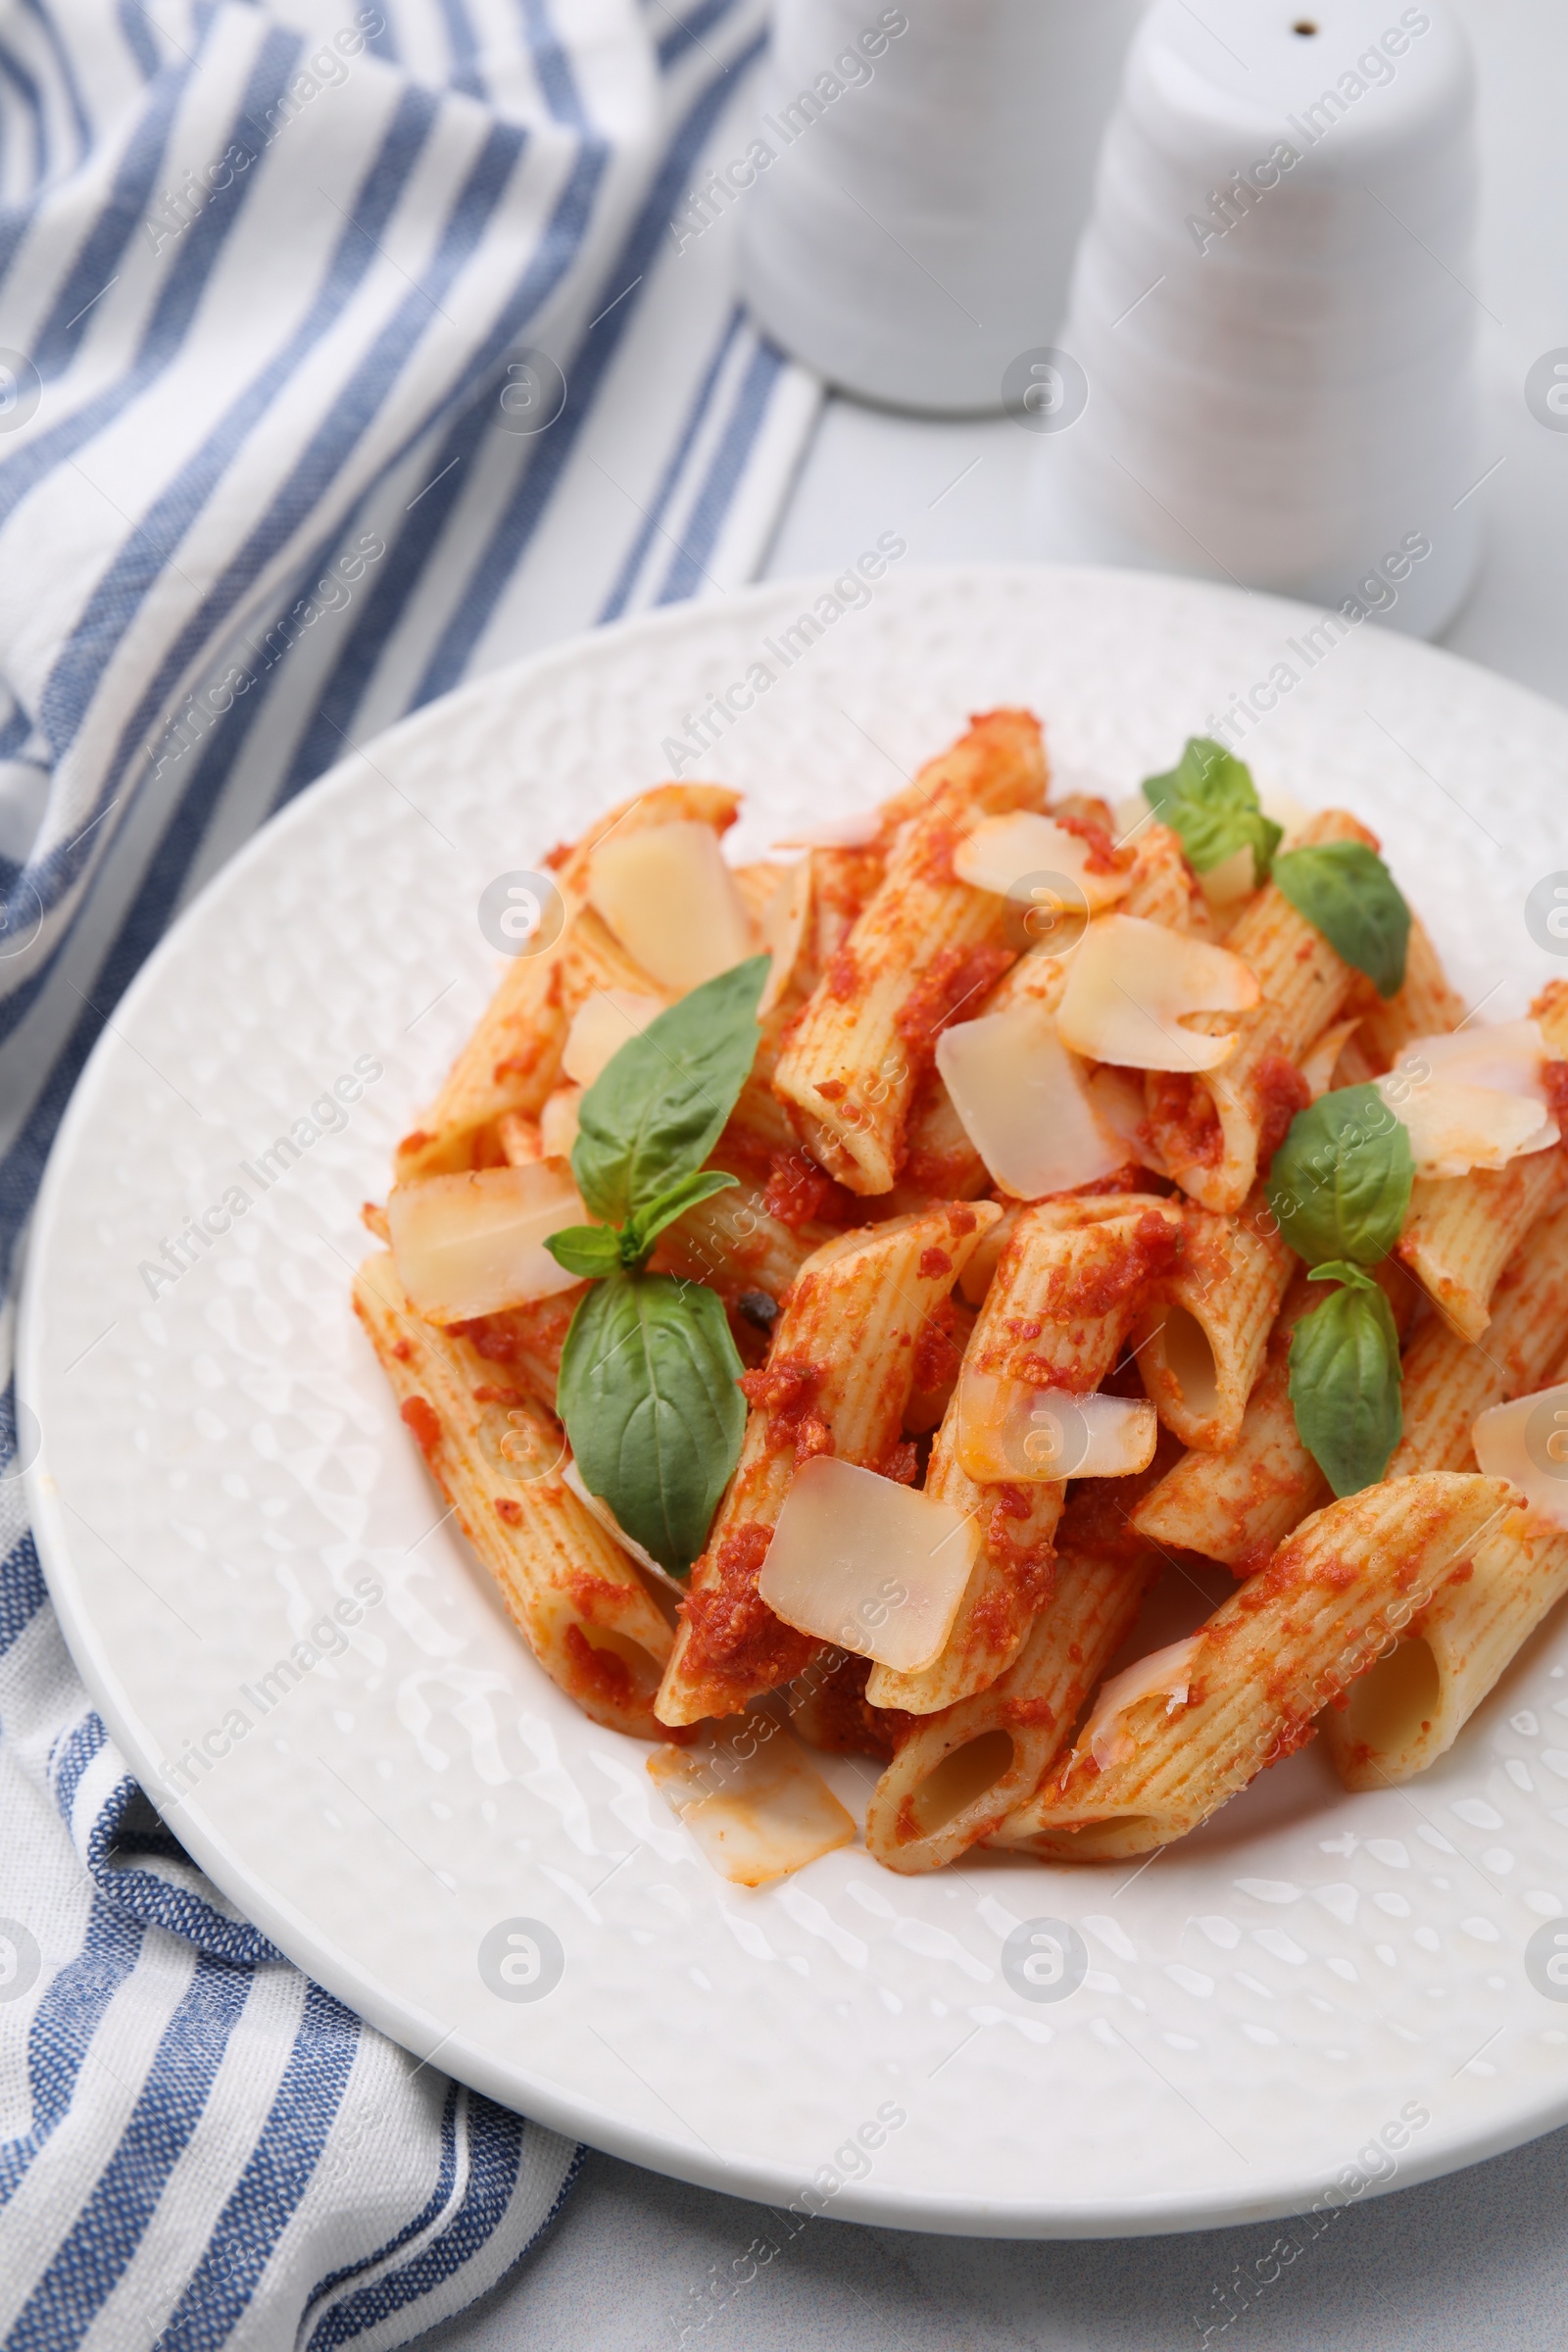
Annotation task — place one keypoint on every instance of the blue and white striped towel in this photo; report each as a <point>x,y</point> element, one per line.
<point>284,290</point>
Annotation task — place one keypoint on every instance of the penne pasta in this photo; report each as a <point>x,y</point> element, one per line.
<point>713,804</point>
<point>520,1138</point>
<point>956,1778</point>
<point>1070,1286</point>
<point>513,1059</point>
<point>1427,1005</point>
<point>1214,1132</point>
<point>957,1774</point>
<point>1411,1706</point>
<point>1010,1580</point>
<point>949,1589</point>
<point>510,1064</point>
<point>1293,1638</point>
<point>925,945</point>
<point>1462,1229</point>
<point>838,1380</point>
<point>1164,888</point>
<point>1449,1379</point>
<point>1204,1332</point>
<point>1065,1293</point>
<point>575,1595</point>
<point>1235,1507</point>
<point>526,1343</point>
<point>735,1244</point>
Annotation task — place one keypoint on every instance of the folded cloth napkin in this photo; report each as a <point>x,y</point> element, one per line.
<point>348,349</point>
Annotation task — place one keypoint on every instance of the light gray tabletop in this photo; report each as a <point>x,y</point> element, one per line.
<point>638,2264</point>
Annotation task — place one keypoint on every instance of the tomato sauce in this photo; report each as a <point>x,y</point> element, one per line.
<point>733,1631</point>
<point>423,1418</point>
<point>955,978</point>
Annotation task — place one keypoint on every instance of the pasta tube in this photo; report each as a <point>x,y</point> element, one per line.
<point>1461,1231</point>
<point>1291,1640</point>
<point>513,1059</point>
<point>1064,1295</point>
<point>1164,888</point>
<point>1427,1005</point>
<point>1215,1131</point>
<point>1415,1702</point>
<point>1204,1332</point>
<point>1011,1579</point>
<point>511,1062</point>
<point>956,1775</point>
<point>1449,1379</point>
<point>925,943</point>
<point>572,1593</point>
<point>838,1379</point>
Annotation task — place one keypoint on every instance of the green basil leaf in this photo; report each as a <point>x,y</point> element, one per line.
<point>1345,889</point>
<point>1344,1381</point>
<point>647,1394</point>
<point>651,1221</point>
<point>586,1249</point>
<point>1339,1183</point>
<point>654,1111</point>
<point>1209,799</point>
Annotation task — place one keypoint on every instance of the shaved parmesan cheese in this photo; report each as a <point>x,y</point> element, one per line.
<point>1010,1431</point>
<point>1318,1066</point>
<point>1527,1443</point>
<point>671,901</point>
<point>1131,984</point>
<point>1285,809</point>
<point>1024,1102</point>
<point>1505,1055</point>
<point>1121,1105</point>
<point>1010,854</point>
<point>473,1244</point>
<point>1166,1674</point>
<point>878,1568</point>
<point>754,1805</point>
<point>1233,879</point>
<point>781,929</point>
<point>1454,1127</point>
<point>600,1026</point>
<point>557,1122</point>
<point>855,829</point>
<point>596,1508</point>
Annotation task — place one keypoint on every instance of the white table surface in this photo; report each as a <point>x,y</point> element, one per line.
<point>636,2262</point>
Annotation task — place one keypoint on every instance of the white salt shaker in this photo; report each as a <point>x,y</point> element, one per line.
<point>1273,309</point>
<point>930,168</point>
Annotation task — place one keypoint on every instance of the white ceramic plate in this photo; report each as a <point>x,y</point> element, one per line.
<point>220,1464</point>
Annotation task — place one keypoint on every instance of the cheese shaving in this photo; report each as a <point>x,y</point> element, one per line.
<point>673,902</point>
<point>1165,1674</point>
<point>1318,1066</point>
<point>596,1508</point>
<point>1454,1127</point>
<point>1024,1104</point>
<point>755,1807</point>
<point>473,1244</point>
<point>781,925</point>
<point>1526,1442</point>
<point>1010,1432</point>
<point>875,1567</point>
<point>1130,986</point>
<point>1011,855</point>
<point>1504,1056</point>
<point>601,1024</point>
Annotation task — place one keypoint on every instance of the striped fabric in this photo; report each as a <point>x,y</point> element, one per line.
<point>345,352</point>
